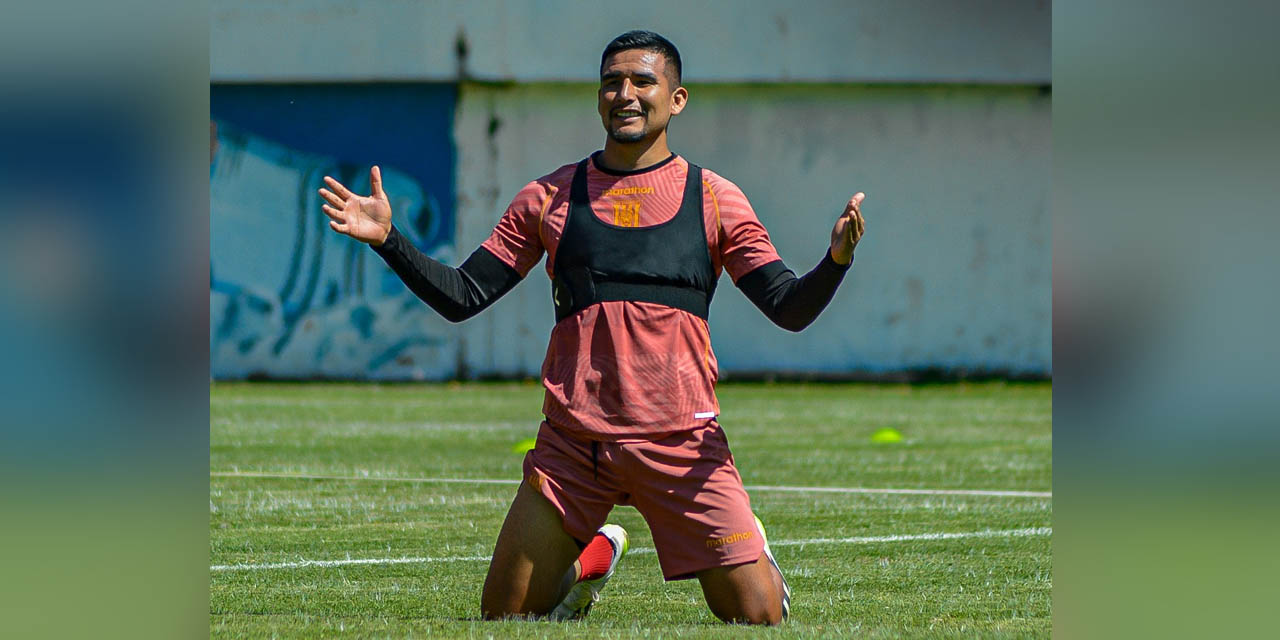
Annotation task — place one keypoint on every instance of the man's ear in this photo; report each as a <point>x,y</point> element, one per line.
<point>679,98</point>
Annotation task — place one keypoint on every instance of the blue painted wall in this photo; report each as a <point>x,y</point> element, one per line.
<point>401,125</point>
<point>288,296</point>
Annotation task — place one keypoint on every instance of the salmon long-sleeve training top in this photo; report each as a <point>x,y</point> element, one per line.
<point>623,369</point>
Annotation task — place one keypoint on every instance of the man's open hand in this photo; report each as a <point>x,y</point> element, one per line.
<point>365,218</point>
<point>848,230</point>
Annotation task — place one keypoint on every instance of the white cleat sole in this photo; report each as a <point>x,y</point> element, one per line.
<point>786,589</point>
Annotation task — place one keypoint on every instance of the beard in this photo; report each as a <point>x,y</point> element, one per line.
<point>617,135</point>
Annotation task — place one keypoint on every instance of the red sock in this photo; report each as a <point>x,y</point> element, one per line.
<point>595,558</point>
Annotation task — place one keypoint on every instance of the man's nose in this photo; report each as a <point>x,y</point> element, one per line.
<point>627,91</point>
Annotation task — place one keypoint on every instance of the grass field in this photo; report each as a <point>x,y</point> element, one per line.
<point>411,549</point>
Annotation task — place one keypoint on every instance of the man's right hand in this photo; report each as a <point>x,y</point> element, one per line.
<point>365,218</point>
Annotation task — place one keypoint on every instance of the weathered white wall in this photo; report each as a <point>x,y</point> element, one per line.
<point>980,41</point>
<point>954,271</point>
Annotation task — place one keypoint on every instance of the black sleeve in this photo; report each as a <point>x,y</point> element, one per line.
<point>456,294</point>
<point>790,302</point>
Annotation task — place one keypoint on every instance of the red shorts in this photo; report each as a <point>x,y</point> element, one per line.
<point>685,485</point>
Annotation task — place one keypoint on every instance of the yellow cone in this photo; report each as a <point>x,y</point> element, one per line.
<point>524,445</point>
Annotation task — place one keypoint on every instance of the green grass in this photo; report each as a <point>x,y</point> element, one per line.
<point>960,436</point>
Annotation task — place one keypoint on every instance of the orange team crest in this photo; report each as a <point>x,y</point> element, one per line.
<point>626,213</point>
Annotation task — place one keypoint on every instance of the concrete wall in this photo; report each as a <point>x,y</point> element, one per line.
<point>954,272</point>
<point>979,41</point>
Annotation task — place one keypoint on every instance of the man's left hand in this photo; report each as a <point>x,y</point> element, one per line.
<point>848,230</point>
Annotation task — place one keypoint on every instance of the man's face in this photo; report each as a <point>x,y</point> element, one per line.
<point>637,99</point>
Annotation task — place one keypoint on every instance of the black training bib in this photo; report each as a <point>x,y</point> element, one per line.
<point>666,264</point>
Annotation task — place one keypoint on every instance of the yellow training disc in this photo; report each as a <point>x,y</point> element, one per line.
<point>886,435</point>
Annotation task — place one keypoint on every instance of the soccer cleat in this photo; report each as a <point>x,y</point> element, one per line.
<point>577,603</point>
<point>786,590</point>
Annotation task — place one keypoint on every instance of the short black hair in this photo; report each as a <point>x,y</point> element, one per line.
<point>647,41</point>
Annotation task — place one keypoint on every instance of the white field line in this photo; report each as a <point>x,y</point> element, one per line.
<point>794,489</point>
<point>925,492</point>
<point>308,476</point>
<point>987,533</point>
<point>302,564</point>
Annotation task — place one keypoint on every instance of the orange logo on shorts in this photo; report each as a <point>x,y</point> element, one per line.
<point>535,481</point>
<point>737,537</point>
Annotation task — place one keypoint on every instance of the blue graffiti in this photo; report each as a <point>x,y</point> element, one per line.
<point>290,298</point>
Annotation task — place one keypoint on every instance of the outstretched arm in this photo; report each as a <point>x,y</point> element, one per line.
<point>794,303</point>
<point>456,294</point>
